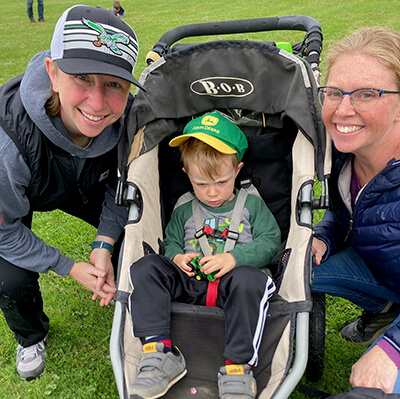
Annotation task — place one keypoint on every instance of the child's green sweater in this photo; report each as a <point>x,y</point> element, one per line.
<point>259,234</point>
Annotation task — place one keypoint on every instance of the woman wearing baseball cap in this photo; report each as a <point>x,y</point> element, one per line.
<point>60,123</point>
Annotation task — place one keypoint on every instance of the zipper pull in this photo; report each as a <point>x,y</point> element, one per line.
<point>84,199</point>
<point>349,230</point>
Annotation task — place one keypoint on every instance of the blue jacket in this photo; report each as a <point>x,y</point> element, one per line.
<point>372,229</point>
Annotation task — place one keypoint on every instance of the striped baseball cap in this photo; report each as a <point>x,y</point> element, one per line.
<point>91,40</point>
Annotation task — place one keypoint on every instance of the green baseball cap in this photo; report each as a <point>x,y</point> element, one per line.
<point>216,131</point>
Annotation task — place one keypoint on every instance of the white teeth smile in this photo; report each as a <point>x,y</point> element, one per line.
<point>92,117</point>
<point>348,129</point>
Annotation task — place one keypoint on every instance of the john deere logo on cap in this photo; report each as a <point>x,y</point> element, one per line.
<point>209,120</point>
<point>106,39</point>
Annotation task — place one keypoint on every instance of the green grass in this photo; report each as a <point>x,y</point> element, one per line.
<point>78,363</point>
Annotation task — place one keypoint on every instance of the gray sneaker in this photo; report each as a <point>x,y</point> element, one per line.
<point>31,360</point>
<point>158,371</point>
<point>236,381</point>
<point>369,326</point>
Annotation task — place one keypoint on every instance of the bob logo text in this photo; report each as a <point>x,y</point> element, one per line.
<point>222,87</point>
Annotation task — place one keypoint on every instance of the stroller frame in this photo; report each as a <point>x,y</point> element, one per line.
<point>139,156</point>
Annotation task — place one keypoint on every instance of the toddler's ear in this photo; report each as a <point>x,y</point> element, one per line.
<point>240,166</point>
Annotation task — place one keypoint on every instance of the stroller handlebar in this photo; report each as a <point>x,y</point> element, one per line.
<point>291,22</point>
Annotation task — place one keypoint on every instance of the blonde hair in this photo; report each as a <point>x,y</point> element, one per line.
<point>53,104</point>
<point>205,157</point>
<point>381,43</point>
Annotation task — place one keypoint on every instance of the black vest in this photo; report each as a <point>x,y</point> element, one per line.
<point>54,184</point>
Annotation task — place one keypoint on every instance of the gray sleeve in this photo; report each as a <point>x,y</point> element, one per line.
<point>113,217</point>
<point>18,244</point>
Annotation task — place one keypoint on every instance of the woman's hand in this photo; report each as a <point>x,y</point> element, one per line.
<point>375,369</point>
<point>100,258</point>
<point>318,249</point>
<point>89,276</point>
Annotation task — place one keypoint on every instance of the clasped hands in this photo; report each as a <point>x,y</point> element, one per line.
<point>97,276</point>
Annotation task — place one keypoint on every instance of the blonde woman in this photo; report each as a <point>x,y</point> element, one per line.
<point>357,244</point>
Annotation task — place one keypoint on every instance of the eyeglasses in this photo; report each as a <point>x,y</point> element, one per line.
<point>361,99</point>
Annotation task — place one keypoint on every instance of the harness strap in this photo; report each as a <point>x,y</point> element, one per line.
<point>183,199</point>
<point>233,232</point>
<point>198,224</point>
<point>212,292</point>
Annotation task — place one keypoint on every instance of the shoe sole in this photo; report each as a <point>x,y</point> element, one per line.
<point>371,340</point>
<point>158,395</point>
<point>31,378</point>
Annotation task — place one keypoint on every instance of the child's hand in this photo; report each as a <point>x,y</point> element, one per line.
<point>182,261</point>
<point>222,262</point>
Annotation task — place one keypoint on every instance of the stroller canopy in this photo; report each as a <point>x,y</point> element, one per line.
<point>218,75</point>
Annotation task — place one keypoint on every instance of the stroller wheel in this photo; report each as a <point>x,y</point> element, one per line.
<point>316,351</point>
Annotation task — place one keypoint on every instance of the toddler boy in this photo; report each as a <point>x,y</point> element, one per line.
<point>228,230</point>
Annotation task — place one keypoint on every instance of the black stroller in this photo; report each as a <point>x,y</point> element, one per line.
<point>269,89</point>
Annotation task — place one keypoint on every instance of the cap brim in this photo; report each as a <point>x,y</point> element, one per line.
<point>74,66</point>
<point>211,141</point>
